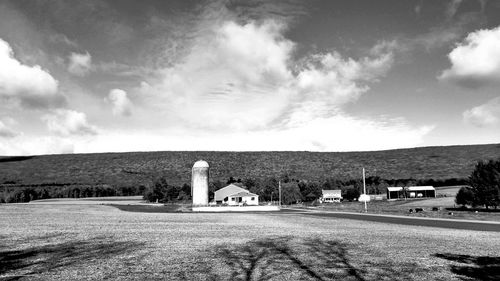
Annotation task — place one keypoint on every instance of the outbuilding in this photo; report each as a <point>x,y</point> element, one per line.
<point>421,191</point>
<point>395,192</point>
<point>234,195</point>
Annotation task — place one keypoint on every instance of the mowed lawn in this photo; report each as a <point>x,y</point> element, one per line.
<point>82,242</point>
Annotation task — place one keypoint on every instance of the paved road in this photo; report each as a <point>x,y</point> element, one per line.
<point>432,222</point>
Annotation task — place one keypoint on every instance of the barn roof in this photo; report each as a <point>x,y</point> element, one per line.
<point>243,194</point>
<point>227,191</point>
<point>420,188</point>
<point>395,188</point>
<point>331,191</point>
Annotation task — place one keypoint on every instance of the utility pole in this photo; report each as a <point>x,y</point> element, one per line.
<point>279,190</point>
<point>364,190</point>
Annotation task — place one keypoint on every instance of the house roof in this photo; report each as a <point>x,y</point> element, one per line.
<point>331,192</point>
<point>420,188</point>
<point>396,188</point>
<point>224,192</point>
<point>243,194</point>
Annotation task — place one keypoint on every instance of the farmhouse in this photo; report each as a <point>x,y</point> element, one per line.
<point>331,195</point>
<point>233,195</point>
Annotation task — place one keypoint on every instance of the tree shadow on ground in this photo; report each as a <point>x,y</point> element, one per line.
<point>32,261</point>
<point>286,258</point>
<point>477,268</point>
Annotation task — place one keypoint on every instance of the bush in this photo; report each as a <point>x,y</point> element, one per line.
<point>351,193</point>
<point>465,196</point>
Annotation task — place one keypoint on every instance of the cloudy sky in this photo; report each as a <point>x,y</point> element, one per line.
<point>97,76</point>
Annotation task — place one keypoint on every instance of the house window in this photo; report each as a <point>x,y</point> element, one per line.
<point>232,199</point>
<point>253,198</point>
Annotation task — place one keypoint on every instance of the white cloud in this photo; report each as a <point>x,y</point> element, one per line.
<point>6,131</point>
<point>80,64</point>
<point>244,77</point>
<point>235,78</point>
<point>36,145</point>
<point>487,114</point>
<point>58,38</point>
<point>339,133</point>
<point>120,102</point>
<point>69,122</point>
<point>476,61</point>
<point>29,85</point>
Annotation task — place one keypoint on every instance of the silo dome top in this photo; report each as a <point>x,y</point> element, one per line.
<point>200,164</point>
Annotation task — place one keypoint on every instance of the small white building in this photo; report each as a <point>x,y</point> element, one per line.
<point>331,195</point>
<point>234,195</point>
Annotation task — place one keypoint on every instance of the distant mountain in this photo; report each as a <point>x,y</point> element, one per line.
<point>134,168</point>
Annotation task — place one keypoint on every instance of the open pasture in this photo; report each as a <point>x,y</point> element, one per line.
<point>76,242</point>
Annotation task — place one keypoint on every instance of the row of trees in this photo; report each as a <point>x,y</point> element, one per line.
<point>484,187</point>
<point>26,194</point>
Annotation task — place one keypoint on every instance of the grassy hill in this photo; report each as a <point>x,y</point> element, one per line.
<point>140,167</point>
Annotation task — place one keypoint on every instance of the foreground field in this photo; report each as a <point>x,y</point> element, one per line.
<point>68,242</point>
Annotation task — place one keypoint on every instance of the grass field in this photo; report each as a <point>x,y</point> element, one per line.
<point>402,208</point>
<point>82,242</point>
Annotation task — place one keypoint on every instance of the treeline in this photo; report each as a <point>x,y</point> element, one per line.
<point>44,191</point>
<point>160,190</point>
<point>484,189</point>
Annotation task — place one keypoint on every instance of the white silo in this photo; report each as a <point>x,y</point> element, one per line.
<point>199,183</point>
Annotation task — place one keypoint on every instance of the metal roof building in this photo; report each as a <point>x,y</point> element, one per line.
<point>234,195</point>
<point>421,191</point>
<point>398,192</point>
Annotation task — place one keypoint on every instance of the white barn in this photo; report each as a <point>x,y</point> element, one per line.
<point>410,192</point>
<point>234,195</point>
<point>421,191</point>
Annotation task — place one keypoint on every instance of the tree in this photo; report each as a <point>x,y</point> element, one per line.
<point>350,193</point>
<point>465,196</point>
<point>158,192</point>
<point>170,193</point>
<point>485,183</point>
<point>290,193</point>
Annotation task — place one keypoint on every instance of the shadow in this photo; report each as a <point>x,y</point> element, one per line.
<point>286,258</point>
<point>472,210</point>
<point>475,268</point>
<point>16,264</point>
<point>170,208</point>
<point>15,158</point>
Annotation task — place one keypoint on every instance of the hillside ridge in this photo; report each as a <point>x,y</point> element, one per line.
<point>133,168</point>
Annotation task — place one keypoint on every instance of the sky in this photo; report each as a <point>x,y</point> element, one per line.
<point>349,75</point>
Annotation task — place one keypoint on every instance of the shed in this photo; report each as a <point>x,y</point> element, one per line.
<point>395,192</point>
<point>421,191</point>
